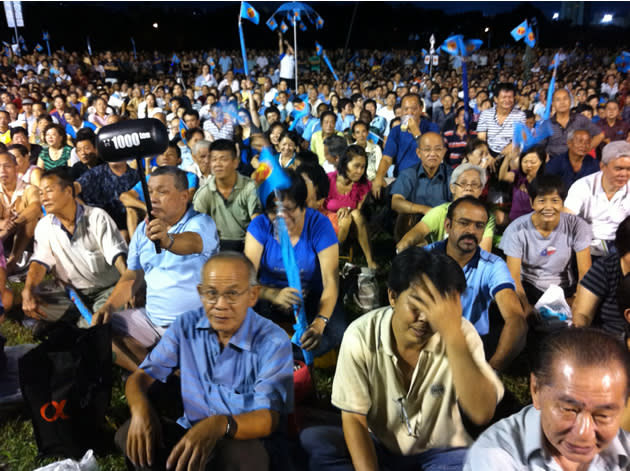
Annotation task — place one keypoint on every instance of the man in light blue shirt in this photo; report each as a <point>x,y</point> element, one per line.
<point>188,239</point>
<point>236,371</point>
<point>579,388</point>
<point>487,279</point>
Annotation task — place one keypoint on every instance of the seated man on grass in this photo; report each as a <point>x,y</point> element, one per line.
<point>406,375</point>
<point>134,198</point>
<point>20,209</point>
<point>80,245</point>
<point>188,239</point>
<point>236,371</point>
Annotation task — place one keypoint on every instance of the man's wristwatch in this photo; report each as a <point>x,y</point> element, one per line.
<point>230,428</point>
<point>172,240</point>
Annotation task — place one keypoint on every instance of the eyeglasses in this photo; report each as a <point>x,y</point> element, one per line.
<point>404,417</point>
<point>463,186</point>
<point>211,296</point>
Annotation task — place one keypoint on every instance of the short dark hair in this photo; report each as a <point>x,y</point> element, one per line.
<point>351,152</point>
<point>20,148</point>
<point>85,134</point>
<point>191,112</point>
<point>72,111</point>
<point>414,95</point>
<point>63,176</point>
<point>179,176</point>
<point>587,347</point>
<point>327,113</point>
<point>59,128</point>
<point>296,192</point>
<point>360,123</point>
<point>545,185</point>
<point>318,176</point>
<point>173,144</point>
<point>409,266</point>
<point>224,145</point>
<point>307,157</point>
<point>504,87</point>
<point>336,145</point>
<point>465,199</point>
<point>272,109</point>
<point>18,130</point>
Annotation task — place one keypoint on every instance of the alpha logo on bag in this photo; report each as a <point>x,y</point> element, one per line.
<point>58,406</point>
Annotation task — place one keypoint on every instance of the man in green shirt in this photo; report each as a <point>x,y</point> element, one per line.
<point>228,197</point>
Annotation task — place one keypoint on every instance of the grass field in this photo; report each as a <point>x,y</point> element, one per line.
<point>18,450</point>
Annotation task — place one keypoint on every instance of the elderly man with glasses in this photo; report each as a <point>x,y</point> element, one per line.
<point>236,371</point>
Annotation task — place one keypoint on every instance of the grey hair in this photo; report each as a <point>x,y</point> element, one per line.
<point>237,256</point>
<point>465,167</point>
<point>572,132</point>
<point>200,144</point>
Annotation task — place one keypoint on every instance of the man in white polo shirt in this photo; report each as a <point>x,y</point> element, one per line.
<point>496,125</point>
<point>405,375</point>
<point>80,243</point>
<point>603,198</point>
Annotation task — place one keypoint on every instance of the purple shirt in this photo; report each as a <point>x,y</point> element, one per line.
<point>520,198</point>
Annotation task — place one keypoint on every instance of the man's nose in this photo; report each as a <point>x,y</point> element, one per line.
<point>584,426</point>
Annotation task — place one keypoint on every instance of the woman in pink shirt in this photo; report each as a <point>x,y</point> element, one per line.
<point>348,188</point>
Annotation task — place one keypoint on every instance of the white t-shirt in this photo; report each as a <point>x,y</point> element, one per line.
<point>287,66</point>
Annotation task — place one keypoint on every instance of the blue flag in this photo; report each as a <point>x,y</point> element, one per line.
<point>623,62</point>
<point>519,32</point>
<point>300,109</point>
<point>530,37</point>
<point>248,12</point>
<point>318,48</point>
<point>454,45</point>
<point>269,176</point>
<point>296,15</point>
<point>302,26</point>
<point>38,47</point>
<point>80,305</point>
<point>46,36</point>
<point>471,45</point>
<point>319,23</point>
<point>182,131</point>
<point>271,23</point>
<point>283,27</point>
<point>373,137</point>
<point>175,59</point>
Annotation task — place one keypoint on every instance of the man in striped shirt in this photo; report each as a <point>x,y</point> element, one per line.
<point>496,125</point>
<point>236,371</point>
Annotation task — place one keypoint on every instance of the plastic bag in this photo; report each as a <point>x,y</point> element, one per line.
<point>87,463</point>
<point>552,308</point>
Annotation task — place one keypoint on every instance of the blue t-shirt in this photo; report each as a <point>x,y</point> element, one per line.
<point>72,133</point>
<point>193,182</point>
<point>318,234</point>
<point>486,275</point>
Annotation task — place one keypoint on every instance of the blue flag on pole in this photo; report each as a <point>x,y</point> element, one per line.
<point>175,59</point>
<point>271,23</point>
<point>296,15</point>
<point>530,37</point>
<point>454,45</point>
<point>318,49</point>
<point>319,22</point>
<point>248,12</point>
<point>269,176</point>
<point>302,26</point>
<point>283,27</point>
<point>519,32</point>
<point>471,45</point>
<point>38,47</point>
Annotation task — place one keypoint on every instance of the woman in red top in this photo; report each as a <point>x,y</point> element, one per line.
<point>348,188</point>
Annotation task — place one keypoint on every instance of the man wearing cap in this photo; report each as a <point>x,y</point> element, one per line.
<point>26,116</point>
<point>603,198</point>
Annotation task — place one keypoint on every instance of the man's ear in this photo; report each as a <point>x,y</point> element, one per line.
<point>534,389</point>
<point>626,314</point>
<point>447,226</point>
<point>391,296</point>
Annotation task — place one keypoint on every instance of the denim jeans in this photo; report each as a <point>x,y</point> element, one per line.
<point>327,451</point>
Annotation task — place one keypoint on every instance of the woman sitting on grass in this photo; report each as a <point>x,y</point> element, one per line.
<point>348,188</point>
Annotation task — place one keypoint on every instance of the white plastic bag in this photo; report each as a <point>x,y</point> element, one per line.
<point>552,308</point>
<point>87,463</point>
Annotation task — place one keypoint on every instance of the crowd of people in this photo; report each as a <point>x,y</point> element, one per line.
<point>482,228</point>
